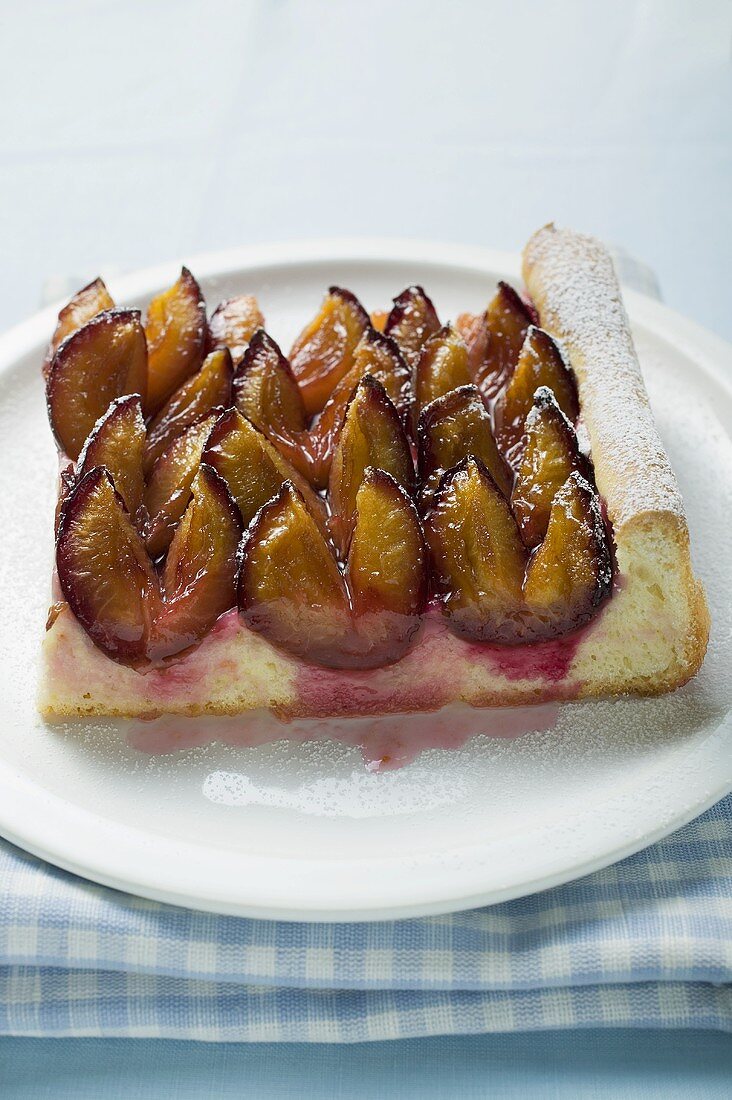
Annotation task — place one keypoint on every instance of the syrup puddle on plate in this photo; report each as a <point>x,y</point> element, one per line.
<point>386,741</point>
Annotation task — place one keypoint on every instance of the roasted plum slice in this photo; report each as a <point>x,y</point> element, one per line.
<point>290,587</point>
<point>104,571</point>
<point>266,390</point>
<point>292,591</point>
<point>386,571</point>
<point>540,364</point>
<point>372,435</point>
<point>473,327</point>
<point>549,455</point>
<point>233,323</point>
<point>508,319</point>
<point>208,388</point>
<point>442,366</point>
<point>477,554</point>
<point>199,577</point>
<point>571,572</point>
<point>311,453</point>
<point>379,356</point>
<point>387,558</point>
<point>66,483</point>
<point>303,451</point>
<point>413,319</point>
<point>85,304</point>
<point>177,335</point>
<point>451,428</point>
<point>323,352</point>
<point>168,489</point>
<point>104,359</point>
<point>253,469</point>
<point>112,587</point>
<point>117,442</point>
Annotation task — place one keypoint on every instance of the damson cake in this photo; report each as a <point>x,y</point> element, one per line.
<point>405,511</point>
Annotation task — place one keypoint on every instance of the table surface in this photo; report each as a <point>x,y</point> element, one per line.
<point>623,1065</point>
<point>132,133</point>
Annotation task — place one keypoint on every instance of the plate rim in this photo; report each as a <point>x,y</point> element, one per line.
<point>709,351</point>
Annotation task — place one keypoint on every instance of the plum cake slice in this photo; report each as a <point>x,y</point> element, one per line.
<point>399,514</point>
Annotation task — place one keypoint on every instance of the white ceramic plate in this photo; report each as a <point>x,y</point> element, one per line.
<point>305,831</point>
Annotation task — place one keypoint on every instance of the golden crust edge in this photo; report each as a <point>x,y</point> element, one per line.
<point>621,488</point>
<point>673,529</point>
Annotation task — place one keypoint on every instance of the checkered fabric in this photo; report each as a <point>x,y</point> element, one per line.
<point>645,943</point>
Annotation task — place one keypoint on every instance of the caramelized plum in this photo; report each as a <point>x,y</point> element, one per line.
<point>379,356</point>
<point>323,352</point>
<point>372,435</point>
<point>177,335</point>
<point>253,469</point>
<point>104,359</point>
<point>451,428</point>
<point>233,323</point>
<point>305,454</point>
<point>292,591</point>
<point>290,587</point>
<point>387,572</point>
<point>266,391</point>
<point>477,554</point>
<point>441,367</point>
<point>571,572</point>
<point>207,389</point>
<point>508,320</point>
<point>387,558</point>
<point>66,483</point>
<point>413,319</point>
<point>549,455</point>
<point>473,327</point>
<point>540,364</point>
<point>117,442</point>
<point>112,587</point>
<point>199,578</point>
<point>104,571</point>
<point>311,453</point>
<point>85,304</point>
<point>169,486</point>
<point>379,317</point>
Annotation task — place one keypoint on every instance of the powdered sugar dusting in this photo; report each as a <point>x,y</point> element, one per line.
<point>572,279</point>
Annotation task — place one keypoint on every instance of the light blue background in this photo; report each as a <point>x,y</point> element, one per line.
<point>133,132</point>
<point>585,1066</point>
<point>139,131</point>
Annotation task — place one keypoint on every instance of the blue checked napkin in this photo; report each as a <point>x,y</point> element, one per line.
<point>645,943</point>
